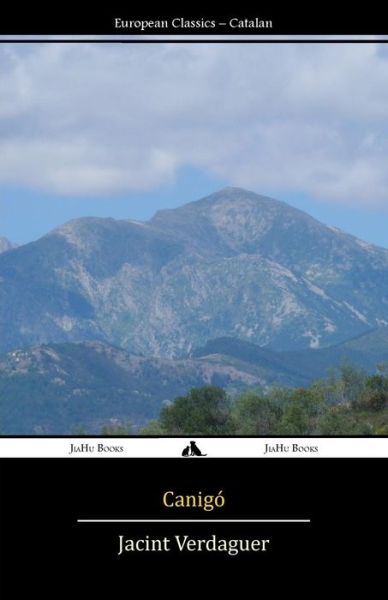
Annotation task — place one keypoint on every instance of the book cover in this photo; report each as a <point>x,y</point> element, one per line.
<point>193,298</point>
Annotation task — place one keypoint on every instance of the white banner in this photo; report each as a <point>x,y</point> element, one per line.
<point>199,448</point>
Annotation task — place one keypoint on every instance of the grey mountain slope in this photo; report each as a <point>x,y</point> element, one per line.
<point>6,245</point>
<point>301,367</point>
<point>233,264</point>
<point>55,389</point>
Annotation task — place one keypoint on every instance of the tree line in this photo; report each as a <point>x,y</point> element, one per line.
<point>348,402</point>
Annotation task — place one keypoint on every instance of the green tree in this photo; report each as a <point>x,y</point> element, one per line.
<point>375,394</point>
<point>204,411</point>
<point>302,412</point>
<point>153,428</point>
<point>353,382</point>
<point>255,415</point>
<point>341,421</point>
<point>331,388</point>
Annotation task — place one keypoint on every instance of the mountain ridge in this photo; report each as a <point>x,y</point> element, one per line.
<point>70,387</point>
<point>60,388</point>
<point>231,264</point>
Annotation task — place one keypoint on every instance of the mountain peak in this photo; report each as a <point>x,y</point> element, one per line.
<point>229,200</point>
<point>233,264</point>
<point>239,220</point>
<point>235,194</point>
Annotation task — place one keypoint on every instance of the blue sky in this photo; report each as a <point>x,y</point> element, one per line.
<point>122,131</point>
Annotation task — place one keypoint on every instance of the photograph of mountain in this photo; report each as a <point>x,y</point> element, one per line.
<point>193,240</point>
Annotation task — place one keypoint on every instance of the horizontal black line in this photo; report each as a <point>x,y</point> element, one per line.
<point>180,41</point>
<point>330,459</point>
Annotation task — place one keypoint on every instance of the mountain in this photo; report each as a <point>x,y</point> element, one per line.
<point>6,245</point>
<point>59,388</point>
<point>300,367</point>
<point>62,388</point>
<point>233,264</point>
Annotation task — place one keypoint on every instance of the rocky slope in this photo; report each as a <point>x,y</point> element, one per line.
<point>60,388</point>
<point>69,387</point>
<point>233,264</point>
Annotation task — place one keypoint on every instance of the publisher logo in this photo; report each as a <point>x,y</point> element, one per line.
<point>192,450</point>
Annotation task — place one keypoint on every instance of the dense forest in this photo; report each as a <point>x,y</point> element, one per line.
<point>348,402</point>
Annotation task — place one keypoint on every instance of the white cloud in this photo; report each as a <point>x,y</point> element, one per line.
<point>89,119</point>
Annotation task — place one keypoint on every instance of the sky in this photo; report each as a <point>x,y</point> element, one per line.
<point>124,130</point>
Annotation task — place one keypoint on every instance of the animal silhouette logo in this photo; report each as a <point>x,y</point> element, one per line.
<point>192,450</point>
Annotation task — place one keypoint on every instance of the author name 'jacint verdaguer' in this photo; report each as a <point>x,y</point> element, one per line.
<point>185,543</point>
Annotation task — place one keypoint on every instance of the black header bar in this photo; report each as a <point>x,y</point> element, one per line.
<point>126,19</point>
